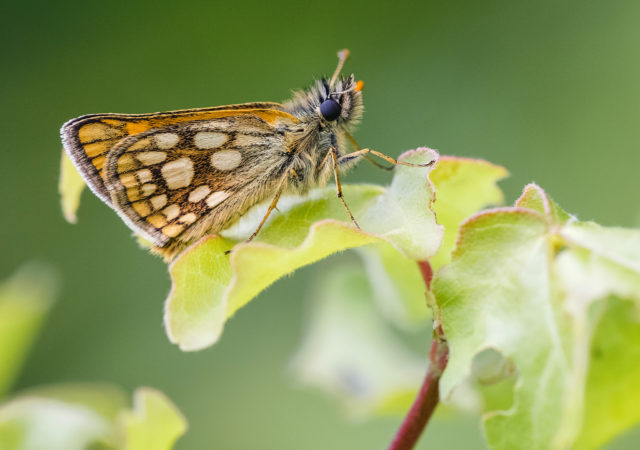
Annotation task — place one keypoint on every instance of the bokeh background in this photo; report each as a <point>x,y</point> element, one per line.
<point>549,89</point>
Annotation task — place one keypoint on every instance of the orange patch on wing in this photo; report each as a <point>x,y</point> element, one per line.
<point>157,220</point>
<point>138,125</point>
<point>128,180</point>
<point>98,162</point>
<point>142,208</point>
<point>126,163</point>
<point>97,149</point>
<point>112,122</point>
<point>95,131</point>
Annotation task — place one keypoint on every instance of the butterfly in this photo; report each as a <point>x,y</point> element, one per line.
<point>175,176</point>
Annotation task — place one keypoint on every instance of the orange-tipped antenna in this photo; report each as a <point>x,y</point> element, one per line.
<point>342,57</point>
<point>356,87</point>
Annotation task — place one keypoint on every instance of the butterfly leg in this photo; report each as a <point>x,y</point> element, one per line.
<point>367,157</point>
<point>272,206</point>
<point>359,153</point>
<point>365,151</point>
<point>336,174</point>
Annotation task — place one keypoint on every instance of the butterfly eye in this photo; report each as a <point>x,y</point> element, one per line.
<point>330,109</point>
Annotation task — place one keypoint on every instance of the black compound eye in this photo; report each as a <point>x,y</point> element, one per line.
<point>330,109</point>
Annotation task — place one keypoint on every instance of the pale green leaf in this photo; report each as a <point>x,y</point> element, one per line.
<point>463,186</point>
<point>612,387</point>
<point>349,351</point>
<point>618,245</point>
<point>589,277</point>
<point>533,197</point>
<point>104,399</point>
<point>154,423</point>
<point>25,299</point>
<point>89,415</point>
<point>61,417</point>
<point>209,286</point>
<point>44,424</point>
<point>522,282</point>
<point>398,286</point>
<point>494,295</point>
<point>70,188</point>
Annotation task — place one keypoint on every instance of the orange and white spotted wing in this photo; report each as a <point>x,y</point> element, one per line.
<point>174,176</point>
<point>88,139</point>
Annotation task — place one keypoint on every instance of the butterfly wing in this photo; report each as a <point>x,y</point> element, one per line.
<point>88,139</point>
<point>179,177</point>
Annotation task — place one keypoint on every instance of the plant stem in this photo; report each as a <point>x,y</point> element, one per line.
<point>428,397</point>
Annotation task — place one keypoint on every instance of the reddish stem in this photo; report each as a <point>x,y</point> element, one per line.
<point>428,397</point>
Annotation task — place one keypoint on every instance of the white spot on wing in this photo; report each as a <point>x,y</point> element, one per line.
<point>226,159</point>
<point>199,193</point>
<point>179,173</point>
<point>144,175</point>
<point>188,218</point>
<point>216,198</point>
<point>209,139</point>
<point>171,212</point>
<point>150,158</point>
<point>148,189</point>
<point>248,140</point>
<point>165,141</point>
<point>158,201</point>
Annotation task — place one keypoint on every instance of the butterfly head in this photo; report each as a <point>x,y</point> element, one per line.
<point>338,105</point>
<point>341,103</point>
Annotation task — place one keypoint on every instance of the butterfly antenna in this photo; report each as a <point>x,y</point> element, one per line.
<point>342,57</point>
<point>356,87</point>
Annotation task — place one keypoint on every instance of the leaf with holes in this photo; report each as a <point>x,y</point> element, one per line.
<point>525,281</point>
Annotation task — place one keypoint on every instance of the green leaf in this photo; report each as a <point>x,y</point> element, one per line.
<point>89,415</point>
<point>63,417</point>
<point>398,287</point>
<point>618,245</point>
<point>153,424</point>
<point>492,287</point>
<point>524,281</point>
<point>612,388</point>
<point>209,286</point>
<point>70,188</point>
<point>25,300</point>
<point>104,399</point>
<point>463,187</point>
<point>43,424</point>
<point>349,351</point>
<point>533,197</point>
<point>601,263</point>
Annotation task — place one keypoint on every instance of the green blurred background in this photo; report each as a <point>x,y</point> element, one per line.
<point>549,89</point>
